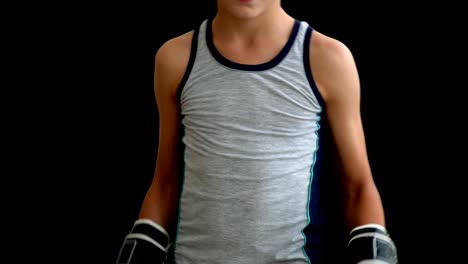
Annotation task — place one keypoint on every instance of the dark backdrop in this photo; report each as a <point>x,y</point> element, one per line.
<point>107,119</point>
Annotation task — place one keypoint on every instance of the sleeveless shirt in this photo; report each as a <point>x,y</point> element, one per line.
<point>251,156</point>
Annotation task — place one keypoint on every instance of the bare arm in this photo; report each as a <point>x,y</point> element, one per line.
<point>152,234</point>
<point>161,201</point>
<point>337,79</point>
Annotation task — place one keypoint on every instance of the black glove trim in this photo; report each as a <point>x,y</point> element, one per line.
<point>152,230</point>
<point>369,243</point>
<point>146,243</point>
<point>368,228</point>
<point>147,239</point>
<point>151,223</point>
<point>385,238</point>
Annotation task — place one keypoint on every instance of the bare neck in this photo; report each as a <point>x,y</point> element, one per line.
<point>271,22</point>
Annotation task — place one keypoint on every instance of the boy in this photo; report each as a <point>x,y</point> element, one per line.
<point>241,100</point>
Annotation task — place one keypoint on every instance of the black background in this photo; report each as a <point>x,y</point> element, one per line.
<point>98,119</point>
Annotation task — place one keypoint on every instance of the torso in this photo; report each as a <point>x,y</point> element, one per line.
<point>249,154</point>
<point>181,47</point>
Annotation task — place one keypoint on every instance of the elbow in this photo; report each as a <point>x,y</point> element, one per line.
<point>166,182</point>
<point>358,185</point>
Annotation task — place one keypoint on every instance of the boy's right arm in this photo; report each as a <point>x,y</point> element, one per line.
<point>154,230</point>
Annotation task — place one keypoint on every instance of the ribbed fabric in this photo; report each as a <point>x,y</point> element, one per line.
<point>251,141</point>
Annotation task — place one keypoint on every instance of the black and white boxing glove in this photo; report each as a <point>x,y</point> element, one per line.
<point>147,242</point>
<point>371,244</point>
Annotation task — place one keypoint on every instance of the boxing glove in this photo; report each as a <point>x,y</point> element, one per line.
<point>147,242</point>
<point>371,244</point>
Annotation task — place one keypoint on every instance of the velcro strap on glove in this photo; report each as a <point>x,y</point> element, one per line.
<point>371,244</point>
<point>147,242</point>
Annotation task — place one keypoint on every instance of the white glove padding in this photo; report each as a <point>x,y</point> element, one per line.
<point>146,243</point>
<point>371,244</point>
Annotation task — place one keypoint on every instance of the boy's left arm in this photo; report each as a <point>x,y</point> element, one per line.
<point>337,78</point>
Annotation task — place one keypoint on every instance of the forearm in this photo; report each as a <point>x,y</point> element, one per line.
<point>363,205</point>
<point>150,237</point>
<point>161,205</point>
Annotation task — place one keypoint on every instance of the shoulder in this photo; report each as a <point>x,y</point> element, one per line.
<point>332,64</point>
<point>177,46</point>
<point>172,58</point>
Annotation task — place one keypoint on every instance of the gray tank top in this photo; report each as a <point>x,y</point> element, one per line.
<point>250,135</point>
